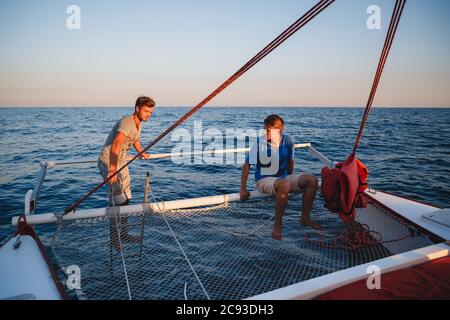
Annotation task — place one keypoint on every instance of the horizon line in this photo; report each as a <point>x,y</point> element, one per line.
<point>218,106</point>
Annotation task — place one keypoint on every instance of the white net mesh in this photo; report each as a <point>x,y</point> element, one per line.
<point>222,252</point>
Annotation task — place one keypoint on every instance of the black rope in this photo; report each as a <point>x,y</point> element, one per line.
<point>395,20</point>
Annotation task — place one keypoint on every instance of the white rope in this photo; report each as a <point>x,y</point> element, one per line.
<point>179,245</point>
<point>205,209</point>
<point>241,234</point>
<point>121,250</point>
<point>123,259</point>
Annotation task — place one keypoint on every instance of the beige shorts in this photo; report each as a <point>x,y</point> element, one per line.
<point>120,191</point>
<point>266,185</point>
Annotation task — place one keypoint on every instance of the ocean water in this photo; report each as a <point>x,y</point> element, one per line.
<point>406,150</point>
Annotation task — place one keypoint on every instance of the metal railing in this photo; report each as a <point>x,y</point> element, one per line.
<point>32,196</point>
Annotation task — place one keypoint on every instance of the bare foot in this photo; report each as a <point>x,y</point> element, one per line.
<point>116,245</point>
<point>131,238</point>
<point>276,234</point>
<point>312,224</point>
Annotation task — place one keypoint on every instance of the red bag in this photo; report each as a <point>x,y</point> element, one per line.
<point>343,186</point>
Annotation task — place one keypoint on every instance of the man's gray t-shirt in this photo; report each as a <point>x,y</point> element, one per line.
<point>132,134</point>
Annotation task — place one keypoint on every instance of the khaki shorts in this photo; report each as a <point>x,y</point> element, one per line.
<point>120,191</point>
<point>266,185</point>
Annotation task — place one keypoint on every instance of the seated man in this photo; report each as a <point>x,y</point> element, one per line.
<point>273,156</point>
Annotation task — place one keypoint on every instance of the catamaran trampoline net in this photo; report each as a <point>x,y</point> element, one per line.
<point>222,252</point>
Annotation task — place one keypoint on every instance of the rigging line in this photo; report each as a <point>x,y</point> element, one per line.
<point>116,222</point>
<point>292,29</point>
<point>383,58</point>
<point>395,20</point>
<point>123,257</point>
<point>386,48</point>
<point>318,8</point>
<point>376,82</point>
<point>381,61</point>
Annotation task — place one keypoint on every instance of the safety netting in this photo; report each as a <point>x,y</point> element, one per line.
<point>226,251</point>
<point>219,252</point>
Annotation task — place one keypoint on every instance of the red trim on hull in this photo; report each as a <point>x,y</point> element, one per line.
<point>24,229</point>
<point>428,281</point>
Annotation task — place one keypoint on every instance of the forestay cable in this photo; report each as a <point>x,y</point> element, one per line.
<point>395,20</point>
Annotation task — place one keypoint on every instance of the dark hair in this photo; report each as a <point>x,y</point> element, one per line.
<point>144,102</point>
<point>272,120</point>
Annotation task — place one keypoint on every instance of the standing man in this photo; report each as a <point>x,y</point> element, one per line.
<point>126,132</point>
<point>273,156</point>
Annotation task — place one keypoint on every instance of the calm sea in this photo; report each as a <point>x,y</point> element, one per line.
<point>407,152</point>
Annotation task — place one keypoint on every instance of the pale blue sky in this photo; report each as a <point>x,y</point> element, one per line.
<point>178,51</point>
